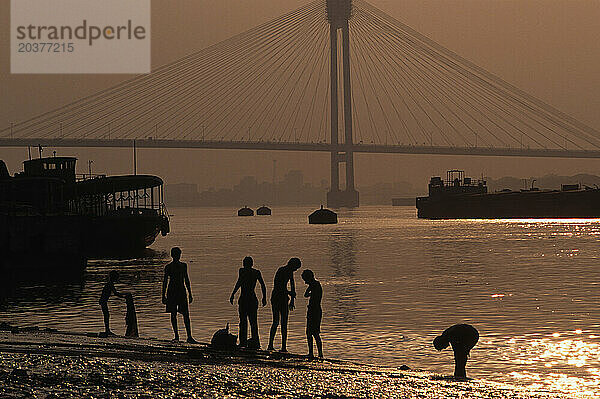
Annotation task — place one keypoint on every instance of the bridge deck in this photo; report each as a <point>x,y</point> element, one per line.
<point>308,147</point>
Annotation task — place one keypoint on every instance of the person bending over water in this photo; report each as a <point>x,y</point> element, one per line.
<point>174,294</point>
<point>463,338</point>
<point>314,313</point>
<point>248,302</point>
<point>107,291</point>
<point>280,304</point>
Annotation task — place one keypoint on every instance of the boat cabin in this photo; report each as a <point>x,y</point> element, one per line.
<point>56,167</point>
<point>39,189</point>
<point>456,183</point>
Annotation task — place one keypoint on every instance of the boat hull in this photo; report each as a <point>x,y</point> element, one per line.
<point>512,205</point>
<point>108,235</point>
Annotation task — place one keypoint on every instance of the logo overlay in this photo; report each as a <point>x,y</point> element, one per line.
<point>80,36</point>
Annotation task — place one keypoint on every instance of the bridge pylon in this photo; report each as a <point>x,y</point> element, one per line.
<point>339,13</point>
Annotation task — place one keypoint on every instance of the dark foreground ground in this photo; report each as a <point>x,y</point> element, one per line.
<point>50,364</point>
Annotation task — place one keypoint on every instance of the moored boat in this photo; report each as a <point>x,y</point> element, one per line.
<point>103,215</point>
<point>263,211</point>
<point>245,211</point>
<point>460,197</point>
<point>323,216</point>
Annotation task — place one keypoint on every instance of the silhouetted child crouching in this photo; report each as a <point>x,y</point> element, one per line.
<point>314,312</point>
<point>463,338</point>
<point>107,291</point>
<point>131,318</point>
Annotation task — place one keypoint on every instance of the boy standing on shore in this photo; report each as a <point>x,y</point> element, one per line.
<point>314,312</point>
<point>107,290</point>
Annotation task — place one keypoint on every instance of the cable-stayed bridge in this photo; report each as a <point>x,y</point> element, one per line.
<point>338,76</point>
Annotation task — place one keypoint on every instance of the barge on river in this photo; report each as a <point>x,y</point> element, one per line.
<point>460,197</point>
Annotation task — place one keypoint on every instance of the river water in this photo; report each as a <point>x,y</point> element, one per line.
<point>391,283</point>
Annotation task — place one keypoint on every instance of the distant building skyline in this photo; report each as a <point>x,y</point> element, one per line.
<point>291,190</point>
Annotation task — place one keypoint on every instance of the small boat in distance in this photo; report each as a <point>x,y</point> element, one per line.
<point>322,216</point>
<point>245,211</point>
<point>263,210</point>
<point>460,197</point>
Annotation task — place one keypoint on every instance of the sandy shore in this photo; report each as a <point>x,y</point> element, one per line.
<point>51,364</point>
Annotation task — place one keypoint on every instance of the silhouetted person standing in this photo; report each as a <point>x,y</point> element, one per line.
<point>314,312</point>
<point>463,338</point>
<point>174,295</point>
<point>248,302</point>
<point>107,291</point>
<point>281,303</point>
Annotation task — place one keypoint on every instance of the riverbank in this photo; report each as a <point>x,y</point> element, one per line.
<point>40,363</point>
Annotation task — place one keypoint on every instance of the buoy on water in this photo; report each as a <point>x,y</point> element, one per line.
<point>322,216</point>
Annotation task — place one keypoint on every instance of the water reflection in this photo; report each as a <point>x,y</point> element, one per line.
<point>392,282</point>
<point>343,273</point>
<point>570,358</point>
<point>60,299</point>
<point>37,290</point>
<point>141,254</point>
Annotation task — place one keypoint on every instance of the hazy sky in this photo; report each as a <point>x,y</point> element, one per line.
<point>549,48</point>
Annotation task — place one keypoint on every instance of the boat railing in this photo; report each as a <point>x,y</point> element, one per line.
<point>135,202</point>
<point>163,211</point>
<point>465,182</point>
<point>88,176</point>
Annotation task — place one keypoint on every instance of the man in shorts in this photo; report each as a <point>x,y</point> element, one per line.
<point>175,283</point>
<point>280,300</point>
